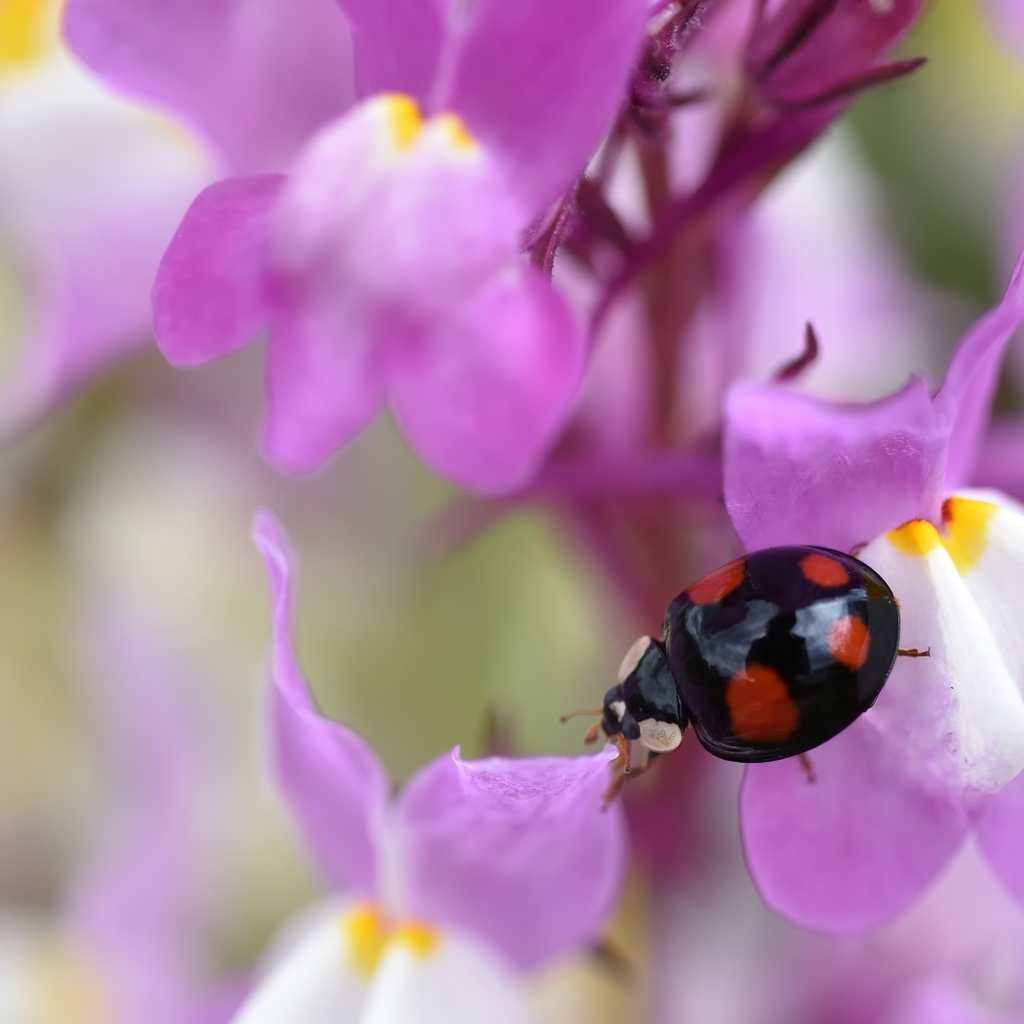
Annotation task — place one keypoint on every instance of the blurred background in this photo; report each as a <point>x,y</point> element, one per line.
<point>426,619</point>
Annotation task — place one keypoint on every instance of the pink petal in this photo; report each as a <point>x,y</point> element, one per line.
<point>257,77</point>
<point>322,388</point>
<point>804,471</point>
<point>336,786</point>
<point>1000,462</point>
<point>138,905</point>
<point>856,846</point>
<point>210,292</point>
<point>539,81</point>
<point>516,851</point>
<point>1000,830</point>
<point>397,45</point>
<point>404,233</point>
<point>485,397</point>
<point>944,998</point>
<point>964,402</point>
<point>800,470</point>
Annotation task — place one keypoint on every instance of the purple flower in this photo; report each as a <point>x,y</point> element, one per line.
<point>895,794</point>
<point>476,868</point>
<point>387,266</point>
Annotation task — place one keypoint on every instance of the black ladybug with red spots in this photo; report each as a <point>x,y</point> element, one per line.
<point>768,657</point>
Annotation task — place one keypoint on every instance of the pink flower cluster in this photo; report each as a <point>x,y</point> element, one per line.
<point>541,236</point>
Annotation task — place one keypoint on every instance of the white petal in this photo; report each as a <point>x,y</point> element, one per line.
<point>455,982</point>
<point>19,941</point>
<point>960,711</point>
<point>316,983</point>
<point>92,187</point>
<point>997,583</point>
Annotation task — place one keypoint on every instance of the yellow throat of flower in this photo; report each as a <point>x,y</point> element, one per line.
<point>368,934</point>
<point>964,534</point>
<point>28,32</point>
<point>408,125</point>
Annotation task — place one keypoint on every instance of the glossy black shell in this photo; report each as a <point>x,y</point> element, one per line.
<point>756,668</point>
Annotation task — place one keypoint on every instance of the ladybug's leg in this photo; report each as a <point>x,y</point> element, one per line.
<point>624,751</point>
<point>652,756</point>
<point>913,652</point>
<point>623,766</point>
<point>628,771</point>
<point>805,763</point>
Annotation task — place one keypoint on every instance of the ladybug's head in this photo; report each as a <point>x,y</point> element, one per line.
<point>645,705</point>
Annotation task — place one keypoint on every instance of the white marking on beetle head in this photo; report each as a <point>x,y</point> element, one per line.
<point>632,658</point>
<point>660,737</point>
<point>619,708</point>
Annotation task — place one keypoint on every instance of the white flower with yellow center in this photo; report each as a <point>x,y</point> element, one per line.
<point>476,871</point>
<point>359,965</point>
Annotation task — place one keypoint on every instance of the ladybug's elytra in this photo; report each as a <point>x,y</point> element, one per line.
<point>767,657</point>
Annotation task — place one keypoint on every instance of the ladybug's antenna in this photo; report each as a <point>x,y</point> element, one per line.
<point>580,714</point>
<point>595,729</point>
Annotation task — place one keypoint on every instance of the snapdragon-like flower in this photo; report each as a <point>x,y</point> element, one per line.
<point>91,187</point>
<point>477,869</point>
<point>852,842</point>
<point>386,266</point>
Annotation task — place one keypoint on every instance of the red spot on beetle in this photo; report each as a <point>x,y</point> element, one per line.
<point>849,641</point>
<point>760,706</point>
<point>824,570</point>
<point>719,583</point>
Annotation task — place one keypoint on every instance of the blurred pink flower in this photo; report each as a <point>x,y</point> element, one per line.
<point>129,942</point>
<point>724,958</point>
<point>476,865</point>
<point>91,187</point>
<point>387,266</point>
<point>893,795</point>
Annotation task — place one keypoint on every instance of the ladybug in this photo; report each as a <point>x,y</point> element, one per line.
<point>768,657</point>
